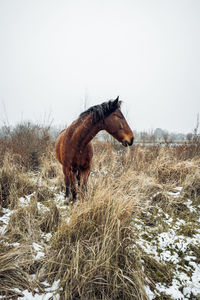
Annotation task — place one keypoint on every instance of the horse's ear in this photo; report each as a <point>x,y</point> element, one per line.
<point>117,99</point>
<point>115,102</point>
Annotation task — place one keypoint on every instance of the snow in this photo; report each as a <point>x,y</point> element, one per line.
<point>189,205</point>
<point>60,201</point>
<point>170,247</point>
<point>25,201</point>
<point>149,292</point>
<point>175,195</point>
<point>50,292</point>
<point>167,256</point>
<point>172,291</point>
<point>38,249</point>
<point>5,219</point>
<point>29,296</point>
<point>47,236</point>
<point>179,188</point>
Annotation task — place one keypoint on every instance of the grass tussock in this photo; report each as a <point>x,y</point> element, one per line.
<point>14,183</point>
<point>50,219</point>
<point>171,172</point>
<point>23,223</point>
<point>191,187</point>
<point>91,253</point>
<point>14,267</point>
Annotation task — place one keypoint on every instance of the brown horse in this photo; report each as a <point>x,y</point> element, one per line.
<point>74,147</point>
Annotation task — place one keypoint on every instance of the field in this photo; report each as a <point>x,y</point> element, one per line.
<point>136,235</point>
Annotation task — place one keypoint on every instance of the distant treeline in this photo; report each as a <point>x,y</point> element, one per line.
<point>28,131</point>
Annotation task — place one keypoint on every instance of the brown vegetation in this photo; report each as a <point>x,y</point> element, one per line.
<point>90,247</point>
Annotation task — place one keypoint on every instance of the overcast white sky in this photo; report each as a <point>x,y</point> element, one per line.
<point>54,54</point>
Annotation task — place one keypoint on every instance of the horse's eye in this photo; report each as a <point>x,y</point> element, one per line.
<point>120,117</point>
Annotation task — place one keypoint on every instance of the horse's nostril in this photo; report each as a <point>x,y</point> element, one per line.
<point>128,143</point>
<point>132,139</point>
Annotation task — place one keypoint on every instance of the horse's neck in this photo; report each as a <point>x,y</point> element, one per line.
<point>87,131</point>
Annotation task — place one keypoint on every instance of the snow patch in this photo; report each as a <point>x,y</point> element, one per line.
<point>38,248</point>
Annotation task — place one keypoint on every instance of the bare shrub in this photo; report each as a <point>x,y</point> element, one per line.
<point>27,140</point>
<point>187,151</point>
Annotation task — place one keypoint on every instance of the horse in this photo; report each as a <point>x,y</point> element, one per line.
<point>74,148</point>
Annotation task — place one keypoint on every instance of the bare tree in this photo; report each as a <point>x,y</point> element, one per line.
<point>165,137</point>
<point>189,137</point>
<point>197,126</point>
<point>144,137</point>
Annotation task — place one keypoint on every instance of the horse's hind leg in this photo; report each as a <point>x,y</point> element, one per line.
<point>73,185</point>
<point>78,177</point>
<point>67,181</point>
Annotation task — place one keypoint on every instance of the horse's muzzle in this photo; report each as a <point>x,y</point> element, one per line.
<point>128,143</point>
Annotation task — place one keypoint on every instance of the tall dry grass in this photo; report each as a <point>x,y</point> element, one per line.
<point>92,251</point>
<point>14,272</point>
<point>14,182</point>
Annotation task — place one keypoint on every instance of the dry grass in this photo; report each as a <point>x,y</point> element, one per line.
<point>23,223</point>
<point>14,272</point>
<point>13,182</point>
<point>93,249</point>
<point>91,253</point>
<point>50,219</point>
<point>191,188</point>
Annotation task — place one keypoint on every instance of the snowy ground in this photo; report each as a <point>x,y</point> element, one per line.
<point>168,244</point>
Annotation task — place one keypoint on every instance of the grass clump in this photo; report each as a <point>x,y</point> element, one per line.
<point>14,183</point>
<point>50,219</point>
<point>91,255</point>
<point>23,223</point>
<point>191,187</point>
<point>156,271</point>
<point>174,172</point>
<point>14,275</point>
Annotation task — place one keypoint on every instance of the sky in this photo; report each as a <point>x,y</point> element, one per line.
<point>59,57</point>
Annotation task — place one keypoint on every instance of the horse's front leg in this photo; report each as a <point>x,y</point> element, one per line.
<point>84,180</point>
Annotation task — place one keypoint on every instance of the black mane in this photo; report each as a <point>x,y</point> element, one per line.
<point>101,111</point>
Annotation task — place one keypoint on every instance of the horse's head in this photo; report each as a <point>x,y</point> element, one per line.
<point>117,126</point>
